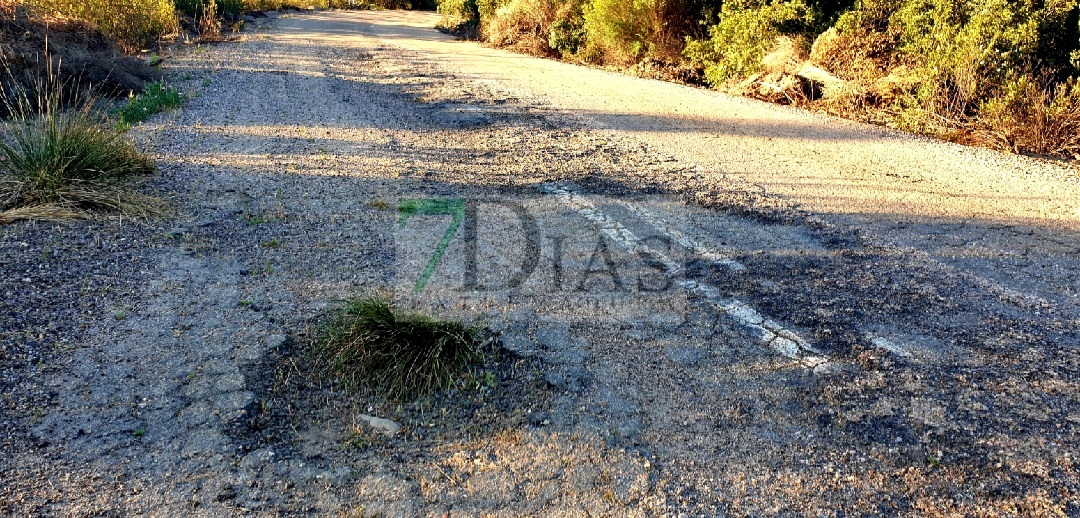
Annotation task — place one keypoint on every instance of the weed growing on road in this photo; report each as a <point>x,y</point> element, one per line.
<point>370,341</point>
<point>66,164</point>
<point>255,219</point>
<point>379,204</point>
<point>158,97</point>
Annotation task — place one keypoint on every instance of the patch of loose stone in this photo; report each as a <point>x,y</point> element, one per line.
<point>764,330</point>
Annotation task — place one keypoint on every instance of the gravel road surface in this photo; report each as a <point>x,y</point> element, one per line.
<point>704,305</point>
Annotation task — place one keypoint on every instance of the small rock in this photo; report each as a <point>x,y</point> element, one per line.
<point>539,419</point>
<point>827,368</point>
<point>386,426</point>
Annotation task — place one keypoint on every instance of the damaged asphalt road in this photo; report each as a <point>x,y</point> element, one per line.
<point>704,305</point>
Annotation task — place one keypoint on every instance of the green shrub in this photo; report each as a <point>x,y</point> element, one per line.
<point>466,17</point>
<point>566,36</point>
<point>963,49</point>
<point>746,31</point>
<point>621,31</point>
<point>369,342</point>
<point>938,63</point>
<point>458,13</point>
<point>135,24</point>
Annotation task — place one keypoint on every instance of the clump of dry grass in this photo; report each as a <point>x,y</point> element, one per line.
<point>370,342</point>
<point>1040,118</point>
<point>522,25</point>
<point>63,164</point>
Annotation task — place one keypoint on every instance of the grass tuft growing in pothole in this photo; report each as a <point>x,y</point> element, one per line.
<point>62,164</point>
<point>372,343</point>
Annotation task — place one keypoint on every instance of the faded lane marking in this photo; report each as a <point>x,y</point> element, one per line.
<point>765,330</point>
<point>683,239</point>
<point>888,345</point>
<point>709,254</point>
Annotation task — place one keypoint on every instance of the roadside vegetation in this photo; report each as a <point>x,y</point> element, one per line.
<point>140,24</point>
<point>72,54</point>
<point>370,343</point>
<point>135,24</point>
<point>63,163</point>
<point>158,97</point>
<point>61,156</point>
<point>999,73</point>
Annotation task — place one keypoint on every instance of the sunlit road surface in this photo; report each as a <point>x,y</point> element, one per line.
<point>825,164</point>
<point>704,305</point>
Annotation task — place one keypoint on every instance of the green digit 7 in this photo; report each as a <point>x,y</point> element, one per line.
<point>433,207</point>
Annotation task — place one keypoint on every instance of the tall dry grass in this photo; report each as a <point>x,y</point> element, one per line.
<point>60,163</point>
<point>136,24</point>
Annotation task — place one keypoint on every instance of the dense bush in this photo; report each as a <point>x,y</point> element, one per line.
<point>747,30</point>
<point>610,31</point>
<point>541,27</point>
<point>1034,116</point>
<point>942,65</point>
<point>567,34</point>
<point>963,50</point>
<point>134,23</point>
<point>621,31</point>
<point>522,24</point>
<point>465,17</point>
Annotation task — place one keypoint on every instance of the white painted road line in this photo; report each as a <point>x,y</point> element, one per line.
<point>888,345</point>
<point>766,331</point>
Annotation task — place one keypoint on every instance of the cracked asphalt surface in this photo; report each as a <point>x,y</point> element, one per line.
<point>705,305</point>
